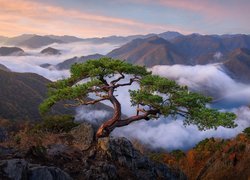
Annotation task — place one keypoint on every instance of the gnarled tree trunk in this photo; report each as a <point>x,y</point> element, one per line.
<point>106,128</point>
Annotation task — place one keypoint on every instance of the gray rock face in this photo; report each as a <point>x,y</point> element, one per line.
<point>83,135</point>
<point>102,170</point>
<point>122,154</point>
<point>3,134</point>
<point>56,149</point>
<point>19,169</point>
<point>15,169</point>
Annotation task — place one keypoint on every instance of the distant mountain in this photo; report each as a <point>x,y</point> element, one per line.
<point>169,35</point>
<point>38,41</point>
<point>50,51</point>
<point>149,52</point>
<point>113,39</point>
<point>229,50</point>
<point>238,65</point>
<point>11,51</point>
<point>18,39</point>
<point>232,42</point>
<point>66,39</point>
<point>4,68</point>
<point>67,63</point>
<point>194,48</point>
<point>201,48</point>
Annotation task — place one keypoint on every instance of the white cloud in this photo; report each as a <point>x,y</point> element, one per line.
<point>169,134</point>
<point>91,115</point>
<point>207,79</point>
<point>218,55</point>
<point>83,48</point>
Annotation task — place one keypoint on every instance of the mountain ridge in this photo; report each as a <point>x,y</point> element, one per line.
<point>26,39</point>
<point>149,52</point>
<point>11,51</point>
<point>38,41</point>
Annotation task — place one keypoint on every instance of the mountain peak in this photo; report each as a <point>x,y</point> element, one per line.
<point>50,51</point>
<point>169,35</point>
<point>156,40</point>
<point>149,52</point>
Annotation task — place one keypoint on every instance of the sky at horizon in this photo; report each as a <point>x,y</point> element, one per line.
<point>98,18</point>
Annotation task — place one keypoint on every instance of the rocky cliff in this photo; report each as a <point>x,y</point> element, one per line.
<point>76,155</point>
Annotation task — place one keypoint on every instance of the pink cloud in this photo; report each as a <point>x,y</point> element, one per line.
<point>18,16</point>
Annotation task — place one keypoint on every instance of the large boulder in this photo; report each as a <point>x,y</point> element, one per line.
<point>20,169</point>
<point>83,135</point>
<point>47,173</point>
<point>15,169</point>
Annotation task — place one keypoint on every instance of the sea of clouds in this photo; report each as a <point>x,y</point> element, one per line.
<point>33,59</point>
<point>163,133</point>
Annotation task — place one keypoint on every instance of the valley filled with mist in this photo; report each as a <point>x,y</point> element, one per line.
<point>205,68</point>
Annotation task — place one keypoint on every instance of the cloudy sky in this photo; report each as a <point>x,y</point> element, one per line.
<point>89,18</point>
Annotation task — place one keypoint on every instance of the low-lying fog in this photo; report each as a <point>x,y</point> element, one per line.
<point>162,133</point>
<point>31,61</point>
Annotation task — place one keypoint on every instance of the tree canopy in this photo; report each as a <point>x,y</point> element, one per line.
<point>157,96</point>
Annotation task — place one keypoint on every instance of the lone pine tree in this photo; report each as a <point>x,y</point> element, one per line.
<point>157,96</point>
